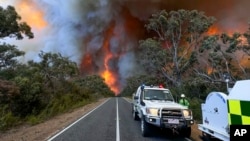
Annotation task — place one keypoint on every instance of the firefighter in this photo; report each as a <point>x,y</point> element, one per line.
<point>183,101</point>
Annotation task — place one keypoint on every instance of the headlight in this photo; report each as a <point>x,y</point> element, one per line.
<point>152,111</point>
<point>187,114</point>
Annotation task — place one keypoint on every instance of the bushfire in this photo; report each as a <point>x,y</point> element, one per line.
<point>32,14</point>
<point>102,36</point>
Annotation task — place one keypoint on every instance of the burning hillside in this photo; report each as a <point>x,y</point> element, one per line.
<point>102,35</point>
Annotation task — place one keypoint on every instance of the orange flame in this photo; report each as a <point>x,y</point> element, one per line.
<point>245,62</point>
<point>213,30</point>
<point>31,14</point>
<point>109,75</point>
<point>209,70</point>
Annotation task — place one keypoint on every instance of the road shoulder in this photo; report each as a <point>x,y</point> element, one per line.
<point>48,128</point>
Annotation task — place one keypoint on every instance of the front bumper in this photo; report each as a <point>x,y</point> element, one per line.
<point>169,122</point>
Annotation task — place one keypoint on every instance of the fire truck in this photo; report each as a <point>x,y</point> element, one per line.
<point>221,110</point>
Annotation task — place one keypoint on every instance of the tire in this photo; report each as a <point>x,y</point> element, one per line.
<point>186,132</point>
<point>145,127</point>
<point>135,115</point>
<point>206,137</point>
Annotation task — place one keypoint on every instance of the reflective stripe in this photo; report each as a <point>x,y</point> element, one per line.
<point>234,107</point>
<point>246,120</point>
<point>238,112</point>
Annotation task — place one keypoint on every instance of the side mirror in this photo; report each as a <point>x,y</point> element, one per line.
<point>136,97</point>
<point>142,103</point>
<point>142,87</point>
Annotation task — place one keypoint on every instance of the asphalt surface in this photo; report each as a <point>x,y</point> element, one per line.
<point>111,121</point>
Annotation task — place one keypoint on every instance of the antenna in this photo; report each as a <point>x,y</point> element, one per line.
<point>227,79</point>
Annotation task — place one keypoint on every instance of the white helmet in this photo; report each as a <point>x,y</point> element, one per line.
<point>182,95</point>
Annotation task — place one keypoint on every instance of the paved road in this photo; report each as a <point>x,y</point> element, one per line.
<point>110,121</point>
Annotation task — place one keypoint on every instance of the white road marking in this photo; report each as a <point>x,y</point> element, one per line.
<point>50,139</point>
<point>188,139</point>
<point>117,122</point>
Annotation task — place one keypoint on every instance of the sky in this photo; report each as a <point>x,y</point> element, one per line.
<point>102,35</point>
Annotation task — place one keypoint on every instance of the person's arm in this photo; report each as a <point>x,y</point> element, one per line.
<point>187,102</point>
<point>179,101</point>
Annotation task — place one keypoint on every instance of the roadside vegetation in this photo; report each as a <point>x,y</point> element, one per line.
<point>36,91</point>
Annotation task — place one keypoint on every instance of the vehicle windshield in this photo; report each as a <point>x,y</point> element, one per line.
<point>150,94</point>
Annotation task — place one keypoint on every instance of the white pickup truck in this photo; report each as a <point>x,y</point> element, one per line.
<point>155,106</point>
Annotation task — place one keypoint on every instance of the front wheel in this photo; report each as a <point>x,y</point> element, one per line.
<point>186,132</point>
<point>135,115</point>
<point>145,127</point>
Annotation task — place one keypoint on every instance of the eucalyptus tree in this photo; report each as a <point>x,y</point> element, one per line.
<point>54,69</point>
<point>151,56</point>
<point>177,35</point>
<point>246,44</point>
<point>226,56</point>
<point>11,26</point>
<point>8,56</point>
<point>54,65</point>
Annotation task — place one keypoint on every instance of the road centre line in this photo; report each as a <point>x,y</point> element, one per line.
<point>53,137</point>
<point>188,139</point>
<point>117,122</point>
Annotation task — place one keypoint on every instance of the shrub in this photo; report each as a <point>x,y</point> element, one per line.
<point>8,120</point>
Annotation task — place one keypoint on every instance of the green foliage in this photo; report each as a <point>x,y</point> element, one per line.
<point>29,100</point>
<point>96,85</point>
<point>8,90</point>
<point>61,104</point>
<point>53,71</point>
<point>36,91</point>
<point>7,120</point>
<point>246,46</point>
<point>200,89</point>
<point>57,66</point>
<point>195,106</point>
<point>223,56</point>
<point>78,92</point>
<point>233,41</point>
<point>151,56</point>
<point>64,103</point>
<point>29,94</point>
<point>179,33</point>
<point>33,119</point>
<point>33,105</point>
<point>10,25</point>
<point>8,54</point>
